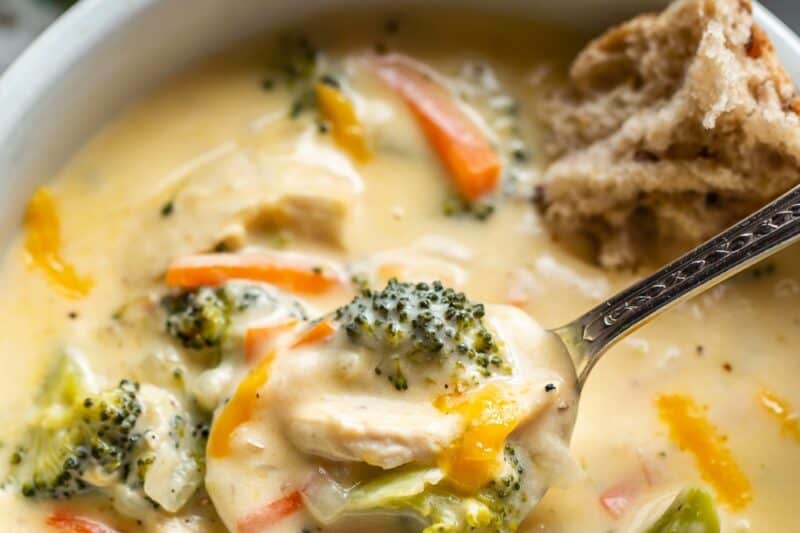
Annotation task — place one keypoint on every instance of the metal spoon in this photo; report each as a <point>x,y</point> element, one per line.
<point>760,235</point>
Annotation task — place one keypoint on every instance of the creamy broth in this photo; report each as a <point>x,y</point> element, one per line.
<point>214,145</point>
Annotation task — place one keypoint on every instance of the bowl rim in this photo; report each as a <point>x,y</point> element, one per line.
<point>87,22</point>
<point>40,128</point>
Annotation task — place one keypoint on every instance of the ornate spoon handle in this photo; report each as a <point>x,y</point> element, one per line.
<point>761,234</point>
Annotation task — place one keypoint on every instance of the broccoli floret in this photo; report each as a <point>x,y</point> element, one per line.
<point>168,464</point>
<point>294,68</point>
<point>421,323</point>
<point>81,441</point>
<point>202,318</point>
<point>497,508</point>
<point>692,510</point>
<point>199,319</point>
<point>506,495</point>
<point>75,434</point>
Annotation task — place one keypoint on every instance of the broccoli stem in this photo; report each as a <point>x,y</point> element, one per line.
<point>692,511</point>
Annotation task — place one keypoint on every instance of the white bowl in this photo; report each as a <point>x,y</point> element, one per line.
<point>103,54</point>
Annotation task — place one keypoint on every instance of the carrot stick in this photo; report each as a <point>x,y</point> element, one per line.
<point>213,269</point>
<point>241,406</point>
<point>69,523</point>
<point>470,160</point>
<point>271,513</point>
<point>318,332</point>
<point>257,336</point>
<point>238,410</point>
<point>347,130</point>
<point>43,246</point>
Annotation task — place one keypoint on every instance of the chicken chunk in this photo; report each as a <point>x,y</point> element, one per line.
<point>380,432</point>
<point>240,196</point>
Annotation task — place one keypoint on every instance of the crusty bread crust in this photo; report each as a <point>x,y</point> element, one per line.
<point>673,126</point>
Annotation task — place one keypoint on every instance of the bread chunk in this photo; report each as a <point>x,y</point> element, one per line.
<point>672,126</point>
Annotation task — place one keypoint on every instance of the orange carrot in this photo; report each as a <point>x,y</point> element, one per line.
<point>271,513</point>
<point>70,523</point>
<point>43,246</point>
<point>320,331</point>
<point>347,130</point>
<point>257,336</point>
<point>214,269</point>
<point>463,149</point>
<point>238,410</point>
<point>490,415</point>
<point>691,431</point>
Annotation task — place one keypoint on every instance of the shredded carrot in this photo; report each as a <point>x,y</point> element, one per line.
<point>319,332</point>
<point>618,498</point>
<point>70,523</point>
<point>238,410</point>
<point>257,337</point>
<point>490,415</point>
<point>346,129</point>
<point>271,513</point>
<point>214,269</point>
<point>468,157</point>
<point>691,430</point>
<point>782,410</point>
<point>43,246</point>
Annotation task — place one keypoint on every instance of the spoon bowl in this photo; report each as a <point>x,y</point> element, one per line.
<point>762,234</point>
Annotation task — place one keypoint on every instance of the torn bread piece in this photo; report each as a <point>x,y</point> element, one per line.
<point>673,127</point>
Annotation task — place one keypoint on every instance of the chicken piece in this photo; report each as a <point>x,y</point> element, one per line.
<point>673,126</point>
<point>226,201</point>
<point>377,431</point>
<point>314,216</point>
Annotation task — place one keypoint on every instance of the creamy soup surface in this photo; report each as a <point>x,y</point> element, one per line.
<point>247,154</point>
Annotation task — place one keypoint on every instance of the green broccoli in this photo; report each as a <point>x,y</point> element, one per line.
<point>692,511</point>
<point>421,323</point>
<point>81,441</point>
<point>506,495</point>
<point>201,318</point>
<point>74,433</point>
<point>497,508</point>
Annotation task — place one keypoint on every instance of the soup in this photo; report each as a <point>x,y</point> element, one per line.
<point>190,259</point>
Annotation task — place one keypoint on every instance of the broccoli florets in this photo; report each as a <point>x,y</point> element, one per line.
<point>75,434</point>
<point>692,510</point>
<point>79,440</point>
<point>422,323</point>
<point>506,495</point>
<point>499,507</point>
<point>201,318</point>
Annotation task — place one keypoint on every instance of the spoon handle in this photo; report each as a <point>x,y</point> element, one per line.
<point>761,234</point>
